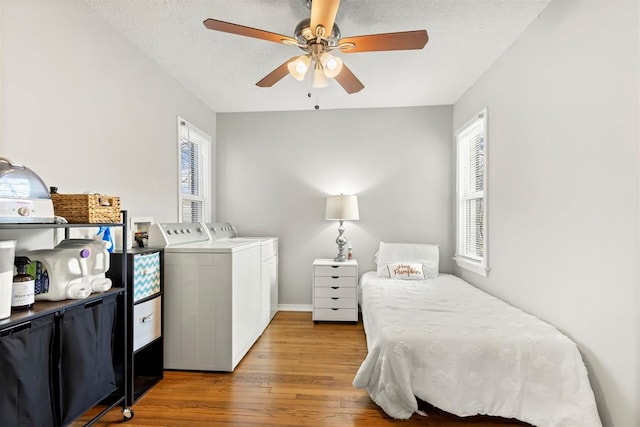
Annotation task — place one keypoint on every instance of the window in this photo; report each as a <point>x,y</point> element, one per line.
<point>471,191</point>
<point>193,146</point>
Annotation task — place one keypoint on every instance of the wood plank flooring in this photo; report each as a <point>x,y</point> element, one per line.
<point>297,374</point>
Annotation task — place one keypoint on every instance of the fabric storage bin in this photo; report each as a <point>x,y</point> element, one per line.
<point>86,369</point>
<point>146,275</point>
<point>25,373</point>
<point>147,322</point>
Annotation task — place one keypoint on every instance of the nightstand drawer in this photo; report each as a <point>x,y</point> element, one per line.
<point>335,302</point>
<point>339,314</point>
<point>335,292</point>
<point>335,281</point>
<point>335,270</point>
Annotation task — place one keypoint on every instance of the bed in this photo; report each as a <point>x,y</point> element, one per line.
<point>466,352</point>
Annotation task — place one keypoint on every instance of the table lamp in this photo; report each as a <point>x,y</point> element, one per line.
<point>342,208</point>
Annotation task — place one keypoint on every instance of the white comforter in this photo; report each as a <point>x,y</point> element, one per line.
<point>468,353</point>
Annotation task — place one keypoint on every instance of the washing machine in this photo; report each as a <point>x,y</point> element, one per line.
<point>269,267</point>
<point>212,295</point>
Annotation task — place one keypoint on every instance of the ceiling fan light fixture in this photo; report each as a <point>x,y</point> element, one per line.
<point>298,68</point>
<point>318,35</point>
<point>332,65</point>
<point>319,77</point>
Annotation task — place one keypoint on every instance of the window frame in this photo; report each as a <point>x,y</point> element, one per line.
<point>474,264</point>
<point>203,140</point>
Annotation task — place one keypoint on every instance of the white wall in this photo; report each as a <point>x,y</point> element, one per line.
<point>275,170</point>
<point>87,111</point>
<point>563,191</point>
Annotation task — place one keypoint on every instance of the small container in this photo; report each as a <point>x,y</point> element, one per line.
<point>349,251</point>
<point>7,254</point>
<point>23,295</point>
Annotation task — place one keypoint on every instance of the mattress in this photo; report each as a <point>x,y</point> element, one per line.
<point>467,353</point>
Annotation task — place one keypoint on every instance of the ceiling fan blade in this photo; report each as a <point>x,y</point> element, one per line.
<point>241,30</point>
<point>348,80</point>
<point>404,40</point>
<point>323,12</point>
<point>276,75</point>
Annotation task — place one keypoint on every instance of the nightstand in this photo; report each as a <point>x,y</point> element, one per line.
<point>335,293</point>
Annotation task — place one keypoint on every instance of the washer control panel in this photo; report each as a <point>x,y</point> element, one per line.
<point>221,230</point>
<point>181,233</point>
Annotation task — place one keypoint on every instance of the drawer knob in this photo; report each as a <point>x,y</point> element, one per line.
<point>335,309</point>
<point>147,318</point>
<point>335,277</point>
<point>335,287</point>
<point>335,266</point>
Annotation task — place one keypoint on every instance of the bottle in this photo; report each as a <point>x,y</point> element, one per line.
<point>23,295</point>
<point>106,236</point>
<point>349,251</point>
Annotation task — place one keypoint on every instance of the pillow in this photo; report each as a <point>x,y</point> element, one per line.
<point>425,254</point>
<point>406,271</point>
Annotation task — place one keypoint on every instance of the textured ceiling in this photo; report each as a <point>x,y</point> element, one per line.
<point>465,38</point>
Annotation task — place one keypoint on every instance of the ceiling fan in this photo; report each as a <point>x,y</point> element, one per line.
<point>313,36</point>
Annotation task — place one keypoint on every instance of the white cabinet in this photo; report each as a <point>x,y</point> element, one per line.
<point>335,293</point>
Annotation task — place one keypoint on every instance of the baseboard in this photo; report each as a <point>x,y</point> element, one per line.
<point>295,307</point>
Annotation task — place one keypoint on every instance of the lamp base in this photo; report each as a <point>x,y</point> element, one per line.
<point>341,242</point>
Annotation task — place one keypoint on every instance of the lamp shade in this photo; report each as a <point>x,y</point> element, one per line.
<point>342,207</point>
<point>299,67</point>
<point>319,79</point>
<point>331,65</point>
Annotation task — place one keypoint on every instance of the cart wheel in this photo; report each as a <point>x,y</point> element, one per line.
<point>127,414</point>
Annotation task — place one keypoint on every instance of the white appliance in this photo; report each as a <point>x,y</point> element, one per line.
<point>23,195</point>
<point>212,296</point>
<point>268,270</point>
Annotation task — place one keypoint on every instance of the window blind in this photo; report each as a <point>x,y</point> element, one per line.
<point>193,145</point>
<point>471,142</point>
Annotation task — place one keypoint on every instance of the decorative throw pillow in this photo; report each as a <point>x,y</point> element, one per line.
<point>426,254</point>
<point>406,271</point>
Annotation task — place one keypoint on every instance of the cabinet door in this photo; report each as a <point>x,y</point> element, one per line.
<point>25,374</point>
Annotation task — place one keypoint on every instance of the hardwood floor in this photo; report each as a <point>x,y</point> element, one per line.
<point>297,374</point>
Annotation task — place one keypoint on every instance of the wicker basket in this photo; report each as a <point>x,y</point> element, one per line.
<point>87,208</point>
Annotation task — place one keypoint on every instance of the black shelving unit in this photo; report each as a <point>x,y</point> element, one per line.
<point>46,336</point>
<point>146,358</point>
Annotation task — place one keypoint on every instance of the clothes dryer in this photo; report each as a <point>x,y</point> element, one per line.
<point>212,297</point>
<point>268,270</point>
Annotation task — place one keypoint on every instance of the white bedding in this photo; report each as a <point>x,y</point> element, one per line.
<point>467,352</point>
